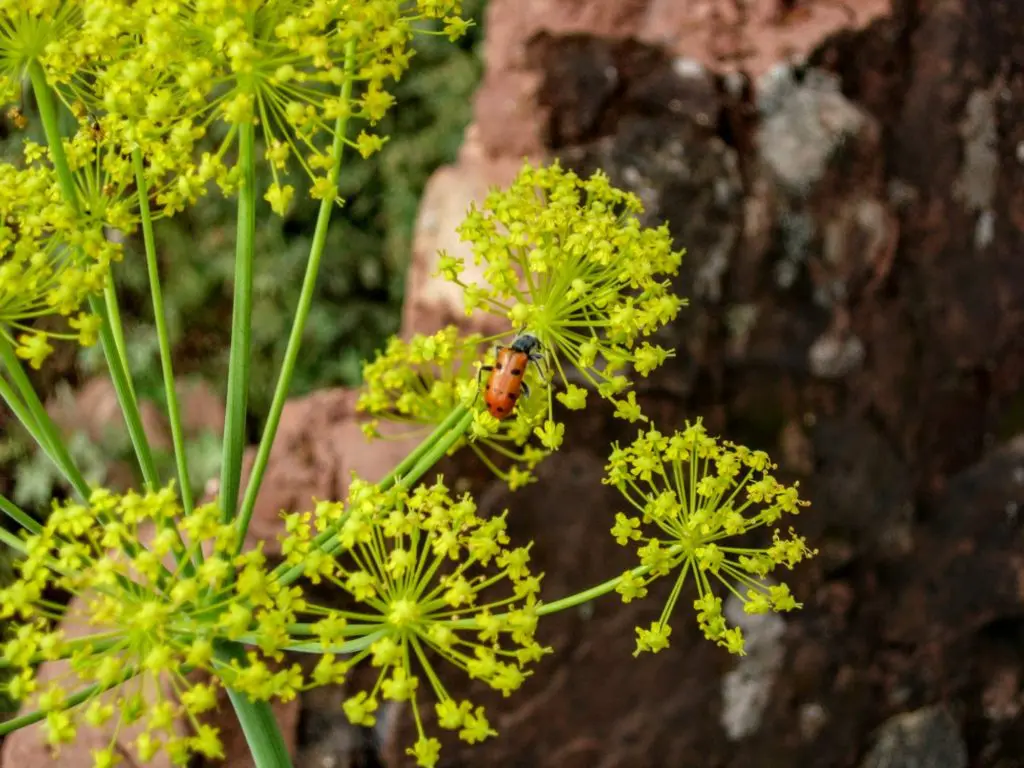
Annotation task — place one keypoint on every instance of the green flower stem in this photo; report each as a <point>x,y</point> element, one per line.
<point>71,701</point>
<point>575,599</point>
<point>389,480</point>
<point>291,354</point>
<point>440,432</point>
<point>10,509</point>
<point>30,411</point>
<point>48,115</point>
<point>438,450</point>
<point>241,326</point>
<point>126,398</point>
<point>118,370</point>
<point>94,643</point>
<point>414,466</point>
<point>173,411</point>
<point>351,646</point>
<point>587,595</point>
<point>117,330</point>
<point>259,726</point>
<point>12,541</point>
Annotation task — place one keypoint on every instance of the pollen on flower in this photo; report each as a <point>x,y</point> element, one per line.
<point>690,495</point>
<point>431,580</point>
<point>153,608</point>
<point>567,259</point>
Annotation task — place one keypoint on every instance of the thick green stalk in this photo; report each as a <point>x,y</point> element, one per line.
<point>389,480</point>
<point>115,362</point>
<point>173,411</point>
<point>14,512</point>
<point>126,398</point>
<point>12,541</point>
<point>350,646</point>
<point>33,415</point>
<point>438,451</point>
<point>241,326</point>
<point>48,116</point>
<point>71,701</point>
<point>426,455</point>
<point>117,330</point>
<point>291,354</point>
<point>577,598</point>
<point>587,595</point>
<point>259,725</point>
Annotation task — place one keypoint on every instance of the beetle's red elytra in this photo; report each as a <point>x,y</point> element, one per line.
<point>505,383</point>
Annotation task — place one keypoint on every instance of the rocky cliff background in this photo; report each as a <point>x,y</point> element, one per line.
<point>848,181</point>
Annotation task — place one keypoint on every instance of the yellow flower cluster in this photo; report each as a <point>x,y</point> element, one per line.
<point>568,260</point>
<point>417,567</point>
<point>153,613</point>
<point>693,494</point>
<point>162,75</point>
<point>51,261</point>
<point>28,29</point>
<point>418,383</point>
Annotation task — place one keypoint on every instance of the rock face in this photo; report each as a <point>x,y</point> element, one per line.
<point>848,181</point>
<point>927,738</point>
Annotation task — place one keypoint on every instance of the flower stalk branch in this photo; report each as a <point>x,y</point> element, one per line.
<point>241,326</point>
<point>291,354</point>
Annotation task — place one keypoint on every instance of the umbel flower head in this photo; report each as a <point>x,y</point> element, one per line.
<point>691,496</point>
<point>419,382</point>
<point>51,261</point>
<point>105,177</point>
<point>27,29</point>
<point>429,581</point>
<point>153,612</point>
<point>568,260</point>
<point>294,69</point>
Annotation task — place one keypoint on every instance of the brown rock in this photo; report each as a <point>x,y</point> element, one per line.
<point>1001,699</point>
<point>202,409</point>
<point>328,739</point>
<point>797,449</point>
<point>751,36</point>
<point>506,113</point>
<point>432,302</point>
<point>927,737</point>
<point>725,36</point>
<point>94,410</point>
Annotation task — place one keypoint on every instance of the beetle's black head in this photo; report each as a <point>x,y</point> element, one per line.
<point>525,343</point>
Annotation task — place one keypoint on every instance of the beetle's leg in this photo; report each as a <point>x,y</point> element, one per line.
<point>479,377</point>
<point>526,389</point>
<point>480,373</point>
<point>542,367</point>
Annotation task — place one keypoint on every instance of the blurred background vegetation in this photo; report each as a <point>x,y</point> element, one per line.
<point>360,289</point>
